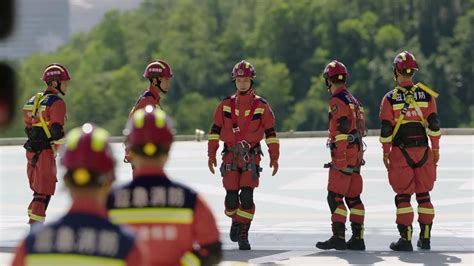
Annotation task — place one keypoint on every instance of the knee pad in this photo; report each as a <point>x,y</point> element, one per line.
<point>246,197</point>
<point>46,201</point>
<point>232,199</point>
<point>351,202</point>
<point>399,198</point>
<point>423,197</point>
<point>334,200</point>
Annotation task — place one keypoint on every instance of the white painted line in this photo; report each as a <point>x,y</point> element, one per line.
<point>281,256</point>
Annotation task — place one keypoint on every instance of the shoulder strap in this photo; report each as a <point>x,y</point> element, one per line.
<point>240,133</point>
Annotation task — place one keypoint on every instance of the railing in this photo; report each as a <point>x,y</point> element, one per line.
<point>290,134</point>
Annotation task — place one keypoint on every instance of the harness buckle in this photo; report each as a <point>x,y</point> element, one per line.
<point>245,144</point>
<point>236,129</point>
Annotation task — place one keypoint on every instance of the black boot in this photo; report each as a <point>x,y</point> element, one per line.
<point>234,231</point>
<point>404,243</point>
<point>425,236</point>
<point>357,240</point>
<point>337,241</point>
<point>244,237</point>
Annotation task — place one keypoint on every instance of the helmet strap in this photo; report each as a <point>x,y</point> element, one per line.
<point>157,84</point>
<point>328,85</point>
<point>57,87</point>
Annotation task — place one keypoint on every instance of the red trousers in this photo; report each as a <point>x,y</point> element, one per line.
<point>235,181</point>
<point>406,181</point>
<point>348,188</point>
<point>42,179</point>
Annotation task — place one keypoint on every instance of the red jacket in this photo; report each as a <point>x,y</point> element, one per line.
<point>413,125</point>
<point>346,116</point>
<point>149,97</point>
<point>84,234</point>
<point>170,218</point>
<point>261,124</point>
<point>53,110</point>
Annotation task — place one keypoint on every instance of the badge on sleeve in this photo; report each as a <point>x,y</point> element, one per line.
<point>334,108</point>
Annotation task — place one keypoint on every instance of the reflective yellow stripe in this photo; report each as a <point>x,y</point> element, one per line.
<point>190,259</point>
<point>422,104</point>
<point>36,217</point>
<point>427,231</point>
<point>259,111</point>
<point>404,210</point>
<point>341,212</point>
<point>399,106</point>
<point>28,107</point>
<point>409,232</point>
<point>230,213</point>
<point>358,212</point>
<point>361,109</point>
<point>272,140</point>
<point>425,210</point>
<point>385,140</point>
<point>341,137</point>
<point>151,215</point>
<point>433,133</point>
<point>226,108</point>
<point>213,137</point>
<point>247,215</point>
<point>70,260</point>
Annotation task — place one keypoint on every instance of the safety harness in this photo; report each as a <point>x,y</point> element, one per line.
<point>353,138</point>
<point>37,111</point>
<point>399,142</point>
<point>243,148</point>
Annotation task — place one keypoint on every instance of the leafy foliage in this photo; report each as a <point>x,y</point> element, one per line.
<point>289,42</point>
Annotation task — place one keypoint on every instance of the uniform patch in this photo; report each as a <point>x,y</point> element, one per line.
<point>334,108</point>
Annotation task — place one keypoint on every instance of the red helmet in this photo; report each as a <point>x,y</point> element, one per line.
<point>55,72</point>
<point>158,69</point>
<point>149,132</point>
<point>87,154</point>
<point>243,69</point>
<point>335,68</point>
<point>405,62</point>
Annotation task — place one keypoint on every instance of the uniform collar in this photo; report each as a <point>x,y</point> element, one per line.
<point>340,89</point>
<point>50,90</point>
<point>149,171</point>
<point>246,97</point>
<point>153,91</point>
<point>88,206</point>
<point>407,83</point>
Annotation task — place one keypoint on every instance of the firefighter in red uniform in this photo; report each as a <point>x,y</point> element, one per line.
<point>84,236</point>
<point>408,116</point>
<point>241,121</point>
<point>346,129</point>
<point>44,115</point>
<point>159,73</point>
<point>175,223</point>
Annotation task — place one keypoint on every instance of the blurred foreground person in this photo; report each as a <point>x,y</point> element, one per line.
<point>84,236</point>
<point>172,220</point>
